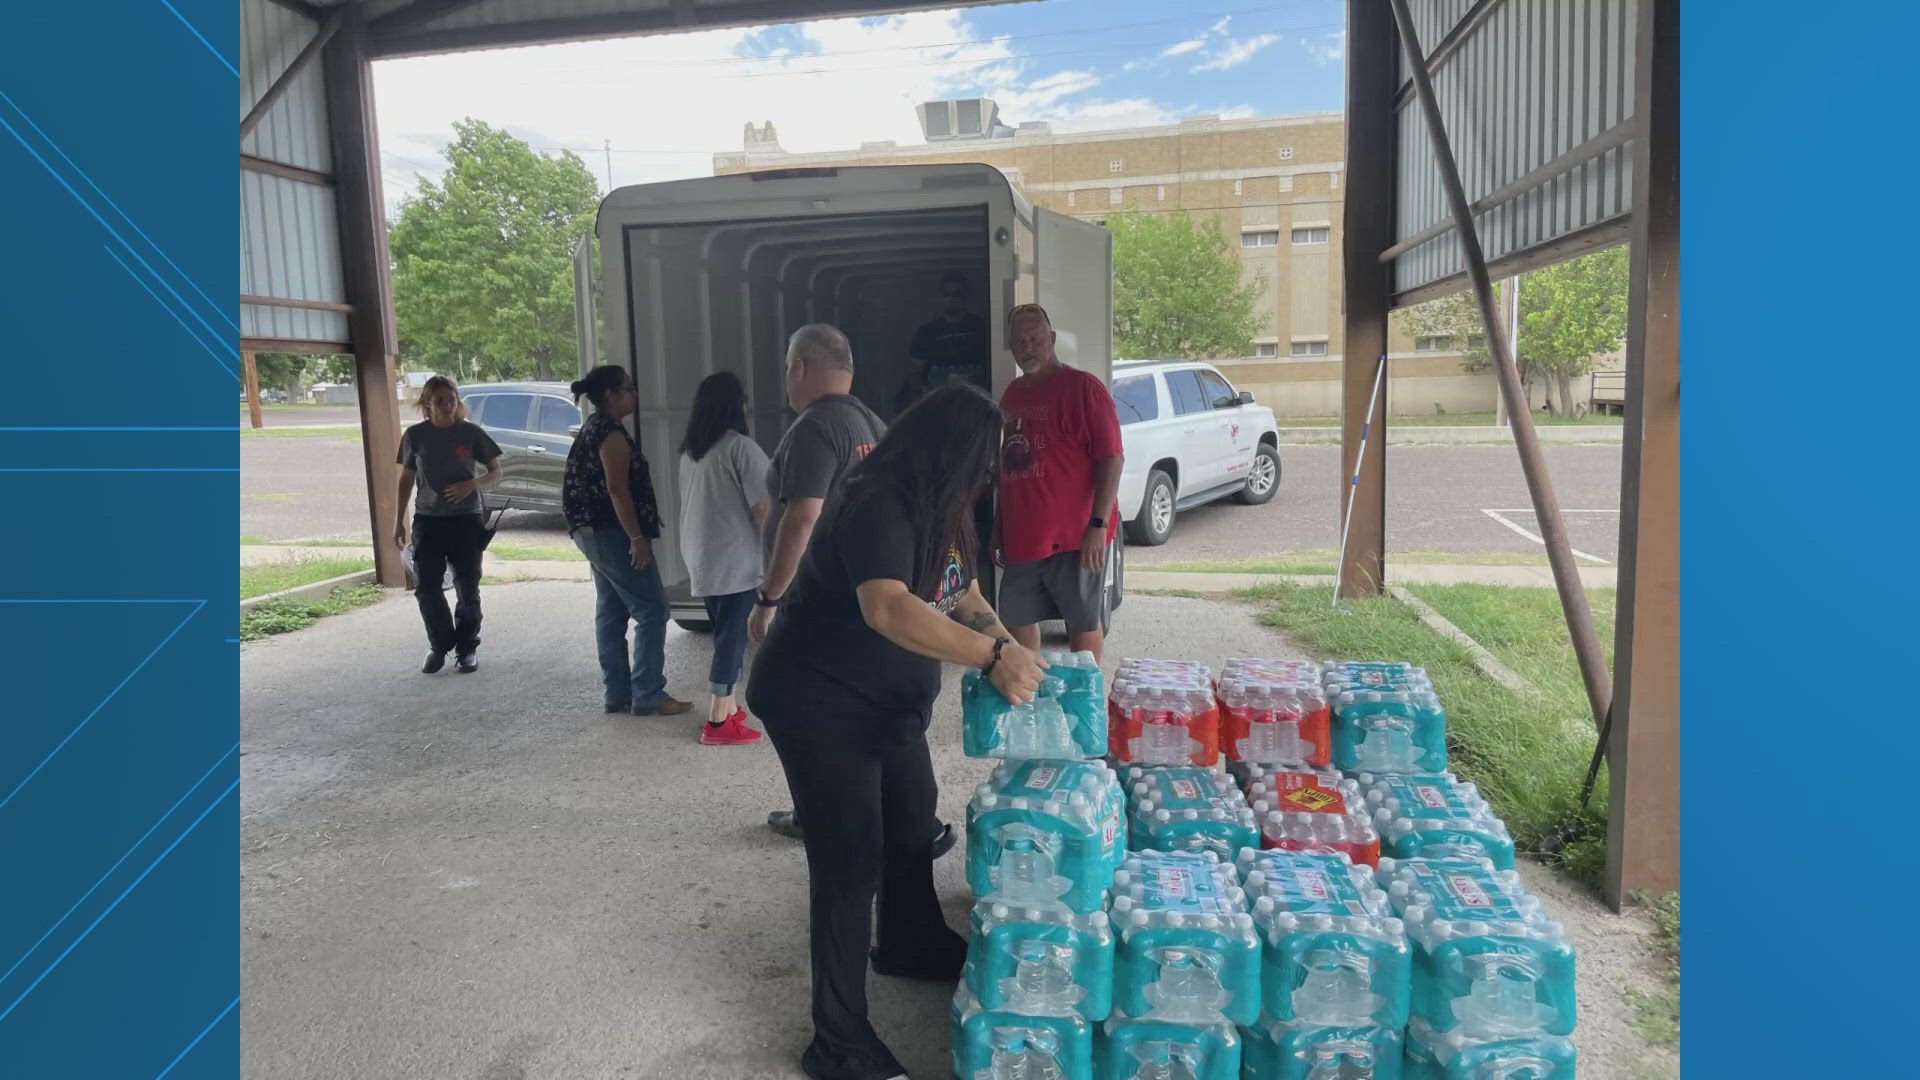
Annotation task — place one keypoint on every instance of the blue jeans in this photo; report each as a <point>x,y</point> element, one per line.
<point>729,615</point>
<point>622,595</point>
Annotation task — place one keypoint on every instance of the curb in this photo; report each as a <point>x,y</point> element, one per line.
<point>1489,665</point>
<point>1466,435</point>
<point>318,590</point>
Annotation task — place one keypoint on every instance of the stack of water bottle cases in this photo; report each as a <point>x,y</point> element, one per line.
<point>1265,874</point>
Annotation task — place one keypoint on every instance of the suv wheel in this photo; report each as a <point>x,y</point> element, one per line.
<point>1154,523</point>
<point>1263,479</point>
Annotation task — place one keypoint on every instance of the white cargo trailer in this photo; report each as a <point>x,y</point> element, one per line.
<point>696,276</point>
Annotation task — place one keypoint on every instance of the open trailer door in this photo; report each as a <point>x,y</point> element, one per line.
<point>586,309</point>
<point>1073,280</point>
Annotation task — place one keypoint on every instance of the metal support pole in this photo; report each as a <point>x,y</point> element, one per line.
<point>252,375</point>
<point>300,62</point>
<point>366,267</point>
<point>1366,228</point>
<point>1643,747</point>
<point>1546,505</point>
<point>1353,484</point>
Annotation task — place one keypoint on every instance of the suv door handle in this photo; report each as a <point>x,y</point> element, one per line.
<point>536,448</point>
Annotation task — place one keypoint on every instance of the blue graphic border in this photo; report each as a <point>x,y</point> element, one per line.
<point>119,755</point>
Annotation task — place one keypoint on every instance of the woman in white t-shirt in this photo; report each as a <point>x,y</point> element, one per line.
<point>723,501</point>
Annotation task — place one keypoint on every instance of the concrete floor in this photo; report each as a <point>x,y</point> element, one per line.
<point>485,877</point>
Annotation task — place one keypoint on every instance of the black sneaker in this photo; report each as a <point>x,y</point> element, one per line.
<point>435,661</point>
<point>786,823</point>
<point>467,663</point>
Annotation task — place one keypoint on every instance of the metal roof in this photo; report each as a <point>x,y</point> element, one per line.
<point>424,27</point>
<point>1537,100</point>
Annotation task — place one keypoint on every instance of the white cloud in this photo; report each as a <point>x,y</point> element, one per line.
<point>1330,49</point>
<point>1237,53</point>
<point>668,103</point>
<point>1221,26</point>
<point>1181,48</point>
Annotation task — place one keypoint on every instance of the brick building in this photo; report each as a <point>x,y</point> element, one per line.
<point>1273,183</point>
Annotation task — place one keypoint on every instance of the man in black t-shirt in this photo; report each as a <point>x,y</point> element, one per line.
<point>953,346</point>
<point>834,430</point>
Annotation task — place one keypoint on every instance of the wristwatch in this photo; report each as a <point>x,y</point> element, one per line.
<point>766,601</point>
<point>1096,523</point>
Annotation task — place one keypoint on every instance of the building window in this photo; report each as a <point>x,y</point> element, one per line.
<point>1269,238</point>
<point>1114,165</point>
<point>1069,198</point>
<point>1113,196</point>
<point>1266,349</point>
<point>1237,188</point>
<point>1309,348</point>
<point>1160,192</point>
<point>1310,236</point>
<point>1286,153</point>
<point>1436,343</point>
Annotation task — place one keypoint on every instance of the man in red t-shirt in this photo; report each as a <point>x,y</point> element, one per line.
<point>1060,463</point>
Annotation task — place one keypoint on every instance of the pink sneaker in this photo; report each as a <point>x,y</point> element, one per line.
<point>733,731</point>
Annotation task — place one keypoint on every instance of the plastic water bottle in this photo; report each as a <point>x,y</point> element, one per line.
<point>1181,918</point>
<point>1335,953</point>
<point>1302,1050</point>
<point>1274,712</point>
<point>1071,810</point>
<point>1009,938</point>
<point>1440,1055</point>
<point>998,1044</point>
<point>1303,809</point>
<point>1185,808</point>
<point>1488,960</point>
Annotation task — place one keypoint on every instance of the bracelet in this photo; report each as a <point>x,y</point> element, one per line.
<point>994,660</point>
<point>766,601</point>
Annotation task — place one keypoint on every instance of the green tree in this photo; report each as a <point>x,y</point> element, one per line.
<point>483,270</point>
<point>1570,312</point>
<point>1177,290</point>
<point>283,371</point>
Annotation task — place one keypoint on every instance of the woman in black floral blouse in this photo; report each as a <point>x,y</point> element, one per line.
<point>614,524</point>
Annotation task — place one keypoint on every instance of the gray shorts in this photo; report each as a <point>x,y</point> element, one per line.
<point>1056,587</point>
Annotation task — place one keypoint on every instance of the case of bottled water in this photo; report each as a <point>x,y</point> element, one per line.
<point>1300,1050</point>
<point>1186,808</point>
<point>1001,1044</point>
<point>1157,1049</point>
<point>1186,945</point>
<point>1059,821</point>
<point>1386,731</point>
<point>1436,816</point>
<point>1065,719</point>
<point>1335,955</point>
<point>1488,961</point>
<point>1302,809</point>
<point>1163,712</point>
<point>1040,956</point>
<point>1274,712</point>
<point>1458,1056</point>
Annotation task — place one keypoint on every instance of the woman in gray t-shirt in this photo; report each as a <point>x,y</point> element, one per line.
<point>723,503</point>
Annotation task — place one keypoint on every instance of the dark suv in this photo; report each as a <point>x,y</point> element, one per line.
<point>534,423</point>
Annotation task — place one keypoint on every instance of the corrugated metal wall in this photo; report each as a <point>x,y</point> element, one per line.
<point>289,238</point>
<point>1537,79</point>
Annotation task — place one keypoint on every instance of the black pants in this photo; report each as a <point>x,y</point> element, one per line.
<point>440,542</point>
<point>868,805</point>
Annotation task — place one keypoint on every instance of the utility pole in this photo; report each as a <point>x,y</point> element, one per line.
<point>253,387</point>
<point>1513,338</point>
<point>607,145</point>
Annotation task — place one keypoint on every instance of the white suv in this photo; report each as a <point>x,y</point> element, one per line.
<point>1190,439</point>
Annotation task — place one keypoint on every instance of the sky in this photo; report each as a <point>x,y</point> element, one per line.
<point>666,104</point>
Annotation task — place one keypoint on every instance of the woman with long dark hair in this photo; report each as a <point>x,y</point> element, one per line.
<point>723,502</point>
<point>845,686</point>
<point>614,519</point>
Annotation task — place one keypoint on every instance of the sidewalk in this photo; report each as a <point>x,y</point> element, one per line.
<point>1138,580</point>
<point>1146,580</point>
<point>1461,435</point>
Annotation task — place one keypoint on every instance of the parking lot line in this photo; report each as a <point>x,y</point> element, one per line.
<point>1497,516</point>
